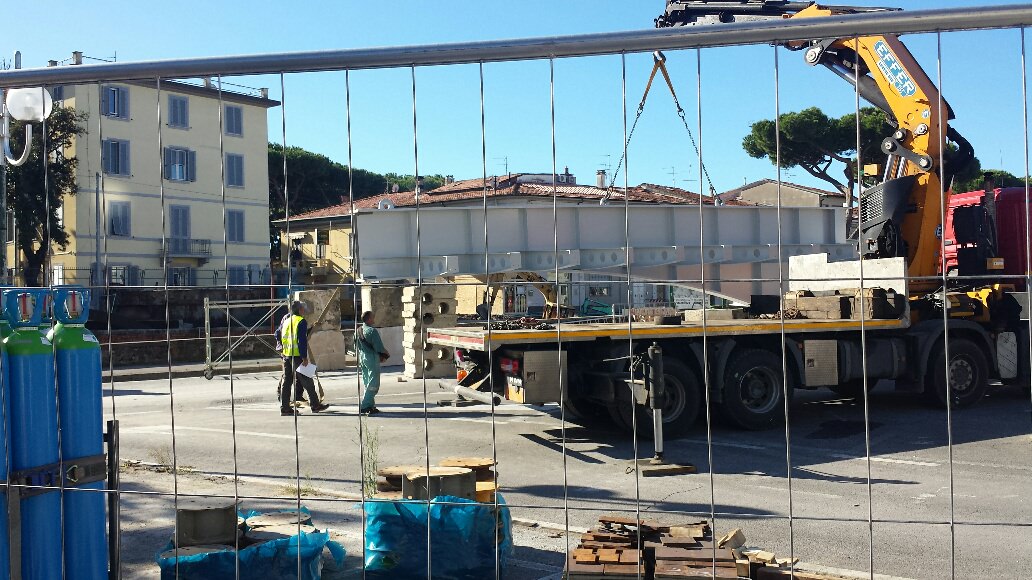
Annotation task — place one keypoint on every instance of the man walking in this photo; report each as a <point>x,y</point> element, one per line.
<point>292,335</point>
<point>370,354</point>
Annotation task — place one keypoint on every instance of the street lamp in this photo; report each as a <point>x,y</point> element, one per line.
<point>25,105</point>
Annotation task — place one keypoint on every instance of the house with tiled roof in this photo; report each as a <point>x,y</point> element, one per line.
<point>318,243</point>
<point>765,192</point>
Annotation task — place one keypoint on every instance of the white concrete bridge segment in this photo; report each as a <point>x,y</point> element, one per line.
<point>740,244</point>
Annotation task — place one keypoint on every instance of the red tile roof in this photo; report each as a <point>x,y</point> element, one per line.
<point>510,186</point>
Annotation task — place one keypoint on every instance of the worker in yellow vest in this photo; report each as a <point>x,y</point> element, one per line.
<point>292,337</point>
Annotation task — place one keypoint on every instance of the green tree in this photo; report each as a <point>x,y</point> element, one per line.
<point>25,187</point>
<point>812,140</point>
<point>408,182</point>
<point>314,181</point>
<point>973,181</point>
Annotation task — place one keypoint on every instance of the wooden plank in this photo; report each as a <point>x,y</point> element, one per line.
<point>624,570</point>
<point>630,557</point>
<point>733,539</point>
<point>585,555</point>
<point>671,541</point>
<point>673,570</point>
<point>608,556</point>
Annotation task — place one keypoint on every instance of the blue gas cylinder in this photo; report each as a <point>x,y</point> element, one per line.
<point>33,430</point>
<point>80,392</point>
<point>5,421</point>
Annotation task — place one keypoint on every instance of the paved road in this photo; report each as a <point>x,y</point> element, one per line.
<point>828,495</point>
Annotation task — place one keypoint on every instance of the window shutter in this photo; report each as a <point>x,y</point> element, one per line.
<point>104,90</point>
<point>127,219</point>
<point>184,104</point>
<point>191,166</point>
<point>105,156</point>
<point>123,102</point>
<point>123,158</point>
<point>168,162</point>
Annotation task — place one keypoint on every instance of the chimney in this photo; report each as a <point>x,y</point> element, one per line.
<point>264,92</point>
<point>51,63</point>
<point>600,178</point>
<point>207,82</point>
<point>77,57</point>
<point>449,179</point>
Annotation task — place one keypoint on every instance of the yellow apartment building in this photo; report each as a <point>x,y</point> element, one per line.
<point>131,186</point>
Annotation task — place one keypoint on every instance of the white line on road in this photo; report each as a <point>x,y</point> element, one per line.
<point>135,413</point>
<point>886,460</point>
<point>723,444</point>
<point>796,490</point>
<point>164,430</point>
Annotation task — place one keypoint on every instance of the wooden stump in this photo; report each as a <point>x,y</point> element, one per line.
<point>456,481</point>
<point>395,473</point>
<point>482,466</point>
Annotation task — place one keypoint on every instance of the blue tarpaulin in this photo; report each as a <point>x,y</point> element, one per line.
<point>272,560</point>
<point>466,538</point>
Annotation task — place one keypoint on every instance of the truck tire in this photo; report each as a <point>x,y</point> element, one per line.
<point>586,413</point>
<point>754,389</point>
<point>683,402</point>
<point>969,375</point>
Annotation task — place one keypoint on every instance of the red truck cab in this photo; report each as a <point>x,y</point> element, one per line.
<point>1012,233</point>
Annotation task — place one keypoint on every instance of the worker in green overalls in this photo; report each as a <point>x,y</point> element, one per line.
<point>370,354</point>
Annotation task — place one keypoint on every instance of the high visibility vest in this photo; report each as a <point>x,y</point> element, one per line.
<point>288,338</point>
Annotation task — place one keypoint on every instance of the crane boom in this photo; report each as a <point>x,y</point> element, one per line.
<point>901,215</point>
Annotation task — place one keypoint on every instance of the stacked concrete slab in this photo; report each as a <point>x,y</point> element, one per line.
<point>325,340</point>
<point>429,306</point>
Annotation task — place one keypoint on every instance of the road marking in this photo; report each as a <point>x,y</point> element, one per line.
<point>164,430</point>
<point>886,460</point>
<point>136,413</point>
<point>732,445</point>
<point>795,491</point>
<point>993,465</point>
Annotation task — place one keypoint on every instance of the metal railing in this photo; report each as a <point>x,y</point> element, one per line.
<point>882,501</point>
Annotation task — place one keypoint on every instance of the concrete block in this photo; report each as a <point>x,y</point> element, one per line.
<point>384,302</point>
<point>714,314</point>
<point>316,301</point>
<point>814,272</point>
<point>833,306</point>
<point>391,338</point>
<point>328,349</point>
<point>428,290</point>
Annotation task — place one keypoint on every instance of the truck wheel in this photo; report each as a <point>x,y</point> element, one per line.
<point>753,390</point>
<point>586,413</point>
<point>680,410</point>
<point>968,378</point>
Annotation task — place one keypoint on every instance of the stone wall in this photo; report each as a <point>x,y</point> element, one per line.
<point>150,347</point>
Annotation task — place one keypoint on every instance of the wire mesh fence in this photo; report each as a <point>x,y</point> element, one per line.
<point>624,350</point>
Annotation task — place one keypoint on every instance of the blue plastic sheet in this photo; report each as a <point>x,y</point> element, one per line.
<point>463,540</point>
<point>273,560</point>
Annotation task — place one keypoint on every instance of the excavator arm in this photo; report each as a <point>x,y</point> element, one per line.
<point>901,215</point>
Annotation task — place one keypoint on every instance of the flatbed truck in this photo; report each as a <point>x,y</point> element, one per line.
<point>750,367</point>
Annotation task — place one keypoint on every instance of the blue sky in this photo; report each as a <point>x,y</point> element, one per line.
<point>981,80</point>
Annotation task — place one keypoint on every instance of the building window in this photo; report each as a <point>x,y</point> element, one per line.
<point>10,226</point>
<point>115,157</point>
<point>57,275</point>
<point>180,164</point>
<point>119,222</point>
<point>321,250</point>
<point>235,225</point>
<point>114,102</point>
<point>178,112</point>
<point>237,275</point>
<point>119,275</point>
<point>234,120</point>
<point>234,170</point>
<point>182,276</point>
<point>57,93</point>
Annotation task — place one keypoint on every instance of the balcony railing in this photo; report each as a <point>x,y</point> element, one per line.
<point>186,248</point>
